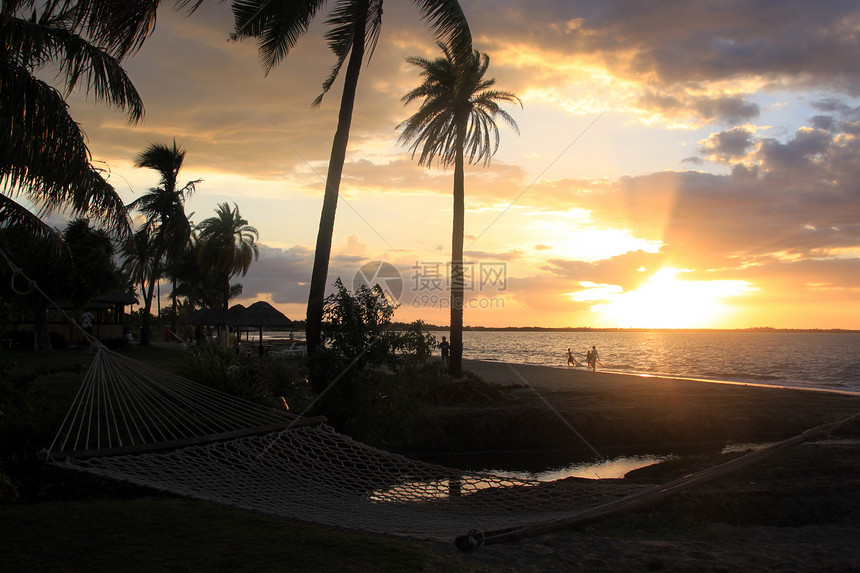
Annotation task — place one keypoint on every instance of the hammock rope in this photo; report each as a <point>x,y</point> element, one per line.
<point>137,424</point>
<point>125,404</point>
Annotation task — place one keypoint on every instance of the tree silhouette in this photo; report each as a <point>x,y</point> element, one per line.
<point>226,247</point>
<point>44,157</point>
<point>354,27</point>
<point>168,229</point>
<point>456,118</point>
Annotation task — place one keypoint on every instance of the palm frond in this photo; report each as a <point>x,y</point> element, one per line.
<point>43,153</point>
<point>276,24</point>
<point>458,112</point>
<point>20,220</point>
<point>348,21</point>
<point>54,38</point>
<point>119,27</point>
<point>449,24</point>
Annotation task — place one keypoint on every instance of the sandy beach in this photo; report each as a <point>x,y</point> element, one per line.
<point>796,511</point>
<point>540,405</point>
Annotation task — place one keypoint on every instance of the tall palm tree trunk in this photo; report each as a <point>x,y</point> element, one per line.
<point>146,316</point>
<point>174,315</point>
<point>455,363</point>
<point>316,296</point>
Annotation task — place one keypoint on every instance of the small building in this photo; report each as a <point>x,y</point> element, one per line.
<point>110,321</point>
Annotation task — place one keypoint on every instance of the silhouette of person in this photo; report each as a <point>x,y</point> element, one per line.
<point>571,361</point>
<point>592,358</point>
<point>87,319</point>
<point>444,346</point>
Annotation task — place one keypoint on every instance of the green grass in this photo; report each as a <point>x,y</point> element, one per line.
<point>168,534</point>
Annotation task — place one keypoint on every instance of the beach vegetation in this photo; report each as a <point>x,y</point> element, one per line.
<point>225,248</point>
<point>166,230</point>
<point>275,382</point>
<point>354,28</point>
<point>358,333</point>
<point>456,122</point>
<point>39,274</point>
<point>378,376</point>
<point>194,289</point>
<point>45,159</point>
<point>93,270</point>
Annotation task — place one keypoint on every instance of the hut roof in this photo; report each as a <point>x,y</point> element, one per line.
<point>261,313</point>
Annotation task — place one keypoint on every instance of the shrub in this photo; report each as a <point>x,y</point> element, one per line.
<point>372,378</point>
<point>265,380</point>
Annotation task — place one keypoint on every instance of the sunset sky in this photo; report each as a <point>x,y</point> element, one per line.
<point>679,164</point>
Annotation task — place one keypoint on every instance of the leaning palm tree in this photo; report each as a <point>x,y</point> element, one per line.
<point>44,158</point>
<point>354,29</point>
<point>163,208</point>
<point>226,247</point>
<point>457,117</point>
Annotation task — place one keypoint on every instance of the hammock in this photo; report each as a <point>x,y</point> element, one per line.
<point>137,424</point>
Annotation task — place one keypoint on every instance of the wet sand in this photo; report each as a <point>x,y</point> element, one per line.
<point>797,511</point>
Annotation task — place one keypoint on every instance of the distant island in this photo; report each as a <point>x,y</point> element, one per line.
<point>300,325</point>
<point>403,325</point>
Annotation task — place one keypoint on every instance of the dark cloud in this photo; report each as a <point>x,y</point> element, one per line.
<point>717,39</point>
<point>283,273</point>
<point>684,54</point>
<point>791,200</point>
<point>823,122</point>
<point>796,154</point>
<point>732,144</point>
<point>488,256</point>
<point>721,109</point>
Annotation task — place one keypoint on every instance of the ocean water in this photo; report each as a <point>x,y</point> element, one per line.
<point>821,360</point>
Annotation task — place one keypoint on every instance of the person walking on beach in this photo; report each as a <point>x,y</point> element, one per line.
<point>592,358</point>
<point>571,361</point>
<point>444,346</point>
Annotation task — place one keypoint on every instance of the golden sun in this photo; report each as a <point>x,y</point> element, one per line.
<point>666,301</point>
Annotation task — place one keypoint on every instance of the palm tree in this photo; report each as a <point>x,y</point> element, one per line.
<point>164,210</point>
<point>226,247</point>
<point>354,29</point>
<point>136,254</point>
<point>44,158</point>
<point>456,117</point>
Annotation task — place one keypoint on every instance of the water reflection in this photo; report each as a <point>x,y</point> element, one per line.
<point>549,466</point>
<point>467,483</point>
<point>603,469</point>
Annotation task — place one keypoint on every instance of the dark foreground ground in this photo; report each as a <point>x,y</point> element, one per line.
<point>796,511</point>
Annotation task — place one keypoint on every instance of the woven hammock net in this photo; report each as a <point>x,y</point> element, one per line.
<point>138,424</point>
